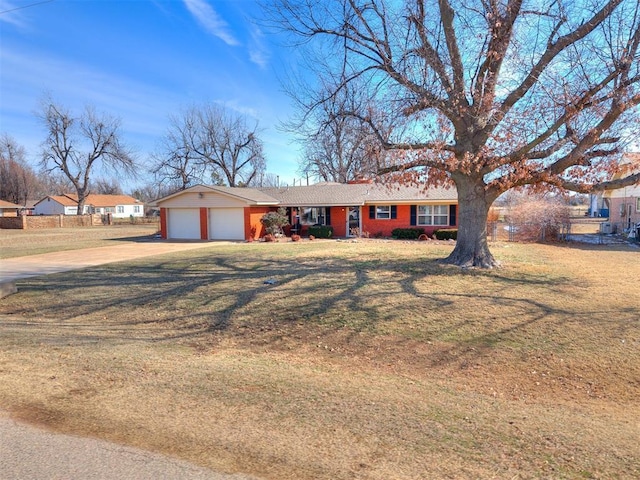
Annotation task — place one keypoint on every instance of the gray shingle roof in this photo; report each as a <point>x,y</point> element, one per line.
<point>338,194</point>
<point>331,194</point>
<point>253,195</point>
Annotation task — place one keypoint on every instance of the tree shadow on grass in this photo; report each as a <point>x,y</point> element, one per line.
<point>207,293</point>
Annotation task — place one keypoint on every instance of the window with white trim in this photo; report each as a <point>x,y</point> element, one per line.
<point>120,208</point>
<point>136,209</point>
<point>433,215</point>
<point>383,212</point>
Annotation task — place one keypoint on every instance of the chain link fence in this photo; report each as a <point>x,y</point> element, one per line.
<point>528,232</point>
<point>596,232</point>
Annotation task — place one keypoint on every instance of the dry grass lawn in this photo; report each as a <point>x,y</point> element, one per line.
<point>19,243</point>
<point>366,360</point>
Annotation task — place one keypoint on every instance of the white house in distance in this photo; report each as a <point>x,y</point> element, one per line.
<point>119,206</point>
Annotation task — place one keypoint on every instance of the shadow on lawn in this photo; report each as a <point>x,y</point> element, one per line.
<point>210,293</point>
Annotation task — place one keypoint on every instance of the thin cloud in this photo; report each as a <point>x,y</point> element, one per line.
<point>211,21</point>
<point>11,13</point>
<point>237,106</point>
<point>258,51</point>
<point>132,101</point>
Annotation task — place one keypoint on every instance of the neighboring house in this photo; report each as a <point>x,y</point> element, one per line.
<point>224,213</point>
<point>8,209</point>
<point>29,208</point>
<point>119,206</point>
<point>624,203</point>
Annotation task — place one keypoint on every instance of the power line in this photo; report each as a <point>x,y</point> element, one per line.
<point>26,6</point>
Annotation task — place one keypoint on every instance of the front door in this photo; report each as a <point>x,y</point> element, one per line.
<point>353,222</point>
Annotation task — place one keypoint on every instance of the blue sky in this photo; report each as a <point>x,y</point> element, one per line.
<point>142,60</point>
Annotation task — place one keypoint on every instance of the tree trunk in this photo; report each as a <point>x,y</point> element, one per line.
<point>472,249</point>
<point>82,199</point>
<point>80,207</point>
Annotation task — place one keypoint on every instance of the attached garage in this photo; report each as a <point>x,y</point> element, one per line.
<point>226,223</point>
<point>214,213</point>
<point>184,223</point>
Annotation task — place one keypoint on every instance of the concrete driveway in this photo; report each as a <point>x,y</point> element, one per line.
<point>12,269</point>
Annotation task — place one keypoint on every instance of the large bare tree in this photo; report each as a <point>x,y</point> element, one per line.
<point>80,146</point>
<point>175,164</point>
<point>209,143</point>
<point>489,94</point>
<point>336,148</point>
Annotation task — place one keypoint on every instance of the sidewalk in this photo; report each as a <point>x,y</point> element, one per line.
<point>29,453</point>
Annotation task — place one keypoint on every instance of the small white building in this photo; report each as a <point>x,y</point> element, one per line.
<point>119,206</point>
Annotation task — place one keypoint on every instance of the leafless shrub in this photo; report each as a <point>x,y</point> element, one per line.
<point>539,219</point>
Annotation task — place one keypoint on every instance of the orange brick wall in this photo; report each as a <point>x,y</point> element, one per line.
<point>204,223</point>
<point>384,227</point>
<point>163,223</point>
<point>253,229</point>
<point>339,221</point>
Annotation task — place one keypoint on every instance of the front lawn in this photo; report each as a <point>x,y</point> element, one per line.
<point>340,360</point>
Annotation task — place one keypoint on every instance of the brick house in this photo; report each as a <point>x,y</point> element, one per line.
<point>224,213</point>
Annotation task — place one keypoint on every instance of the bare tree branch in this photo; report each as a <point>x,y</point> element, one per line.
<point>493,94</point>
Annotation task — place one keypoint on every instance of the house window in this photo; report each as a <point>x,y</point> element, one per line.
<point>383,212</point>
<point>136,209</point>
<point>120,208</point>
<point>433,215</point>
<point>638,204</point>
<point>313,216</point>
<point>109,210</point>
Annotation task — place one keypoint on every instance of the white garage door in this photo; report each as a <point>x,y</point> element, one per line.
<point>184,223</point>
<point>226,223</point>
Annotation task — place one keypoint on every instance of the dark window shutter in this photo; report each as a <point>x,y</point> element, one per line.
<point>372,211</point>
<point>327,220</point>
<point>452,215</point>
<point>394,211</point>
<point>414,215</point>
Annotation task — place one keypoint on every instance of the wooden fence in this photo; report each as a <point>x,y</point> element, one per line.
<point>32,222</point>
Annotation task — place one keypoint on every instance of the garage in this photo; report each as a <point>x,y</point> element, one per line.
<point>226,224</point>
<point>184,223</point>
<point>206,212</point>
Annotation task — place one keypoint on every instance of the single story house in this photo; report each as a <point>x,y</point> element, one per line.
<point>29,208</point>
<point>232,213</point>
<point>119,206</point>
<point>8,209</point>
<point>624,203</point>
